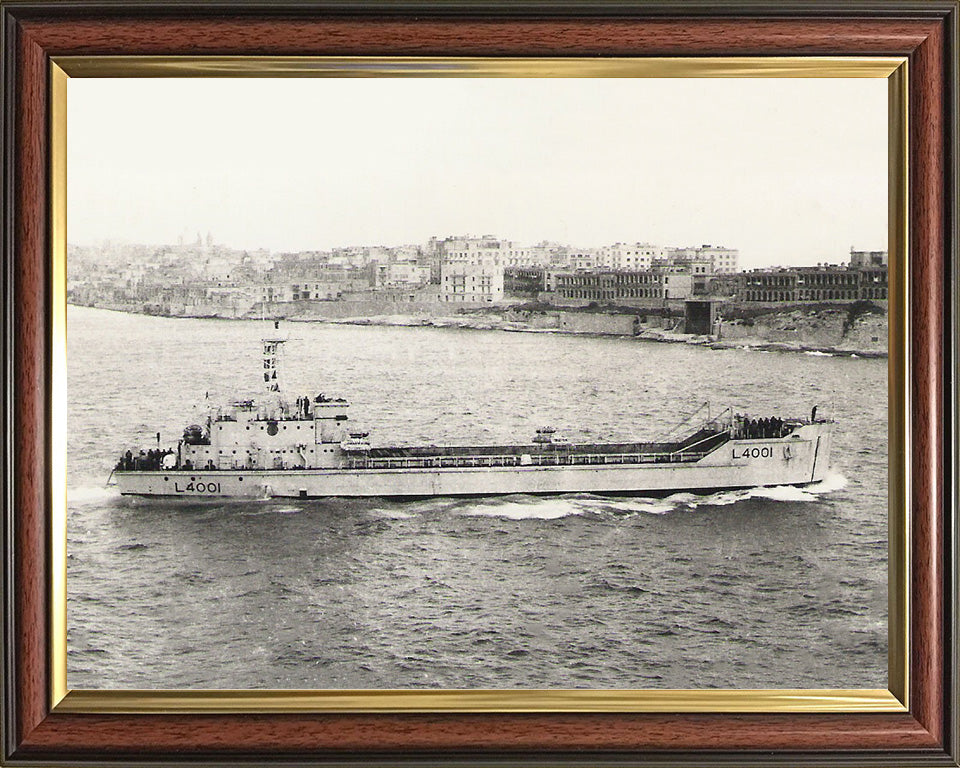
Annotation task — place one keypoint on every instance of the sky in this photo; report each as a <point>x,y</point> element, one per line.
<point>789,171</point>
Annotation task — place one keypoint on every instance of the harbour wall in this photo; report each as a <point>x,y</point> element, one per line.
<point>824,328</point>
<point>507,318</point>
<point>851,328</point>
<point>338,310</point>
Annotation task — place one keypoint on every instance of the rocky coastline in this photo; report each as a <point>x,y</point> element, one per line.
<point>812,330</point>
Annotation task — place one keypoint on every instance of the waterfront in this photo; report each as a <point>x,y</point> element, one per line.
<point>773,588</point>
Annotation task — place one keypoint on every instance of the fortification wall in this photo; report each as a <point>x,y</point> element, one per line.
<point>823,328</point>
<point>338,310</point>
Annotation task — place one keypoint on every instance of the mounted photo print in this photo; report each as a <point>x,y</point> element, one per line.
<point>474,382</point>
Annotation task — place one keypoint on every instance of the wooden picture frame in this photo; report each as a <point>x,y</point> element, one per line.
<point>39,730</point>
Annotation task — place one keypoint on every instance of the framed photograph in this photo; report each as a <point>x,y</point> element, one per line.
<point>464,383</point>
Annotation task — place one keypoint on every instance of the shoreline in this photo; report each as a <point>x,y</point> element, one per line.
<point>661,336</point>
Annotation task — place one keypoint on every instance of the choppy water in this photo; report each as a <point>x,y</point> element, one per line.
<point>777,587</point>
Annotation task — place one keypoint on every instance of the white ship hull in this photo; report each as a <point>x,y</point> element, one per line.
<point>801,458</point>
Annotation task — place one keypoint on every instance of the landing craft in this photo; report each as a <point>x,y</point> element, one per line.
<point>304,449</point>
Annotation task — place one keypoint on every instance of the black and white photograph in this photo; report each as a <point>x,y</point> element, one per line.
<point>477,383</point>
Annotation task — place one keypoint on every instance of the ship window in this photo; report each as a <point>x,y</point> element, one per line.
<point>165,479</point>
<point>240,479</point>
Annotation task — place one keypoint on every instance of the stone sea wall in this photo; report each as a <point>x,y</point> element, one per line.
<point>858,328</point>
<point>825,329</point>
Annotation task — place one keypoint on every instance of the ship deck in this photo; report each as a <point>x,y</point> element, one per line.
<point>691,449</point>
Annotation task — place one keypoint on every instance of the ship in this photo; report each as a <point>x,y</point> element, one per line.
<point>275,447</point>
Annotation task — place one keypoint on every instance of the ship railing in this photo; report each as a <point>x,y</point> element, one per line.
<point>523,460</point>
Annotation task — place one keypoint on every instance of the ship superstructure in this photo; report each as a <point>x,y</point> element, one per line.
<point>304,448</point>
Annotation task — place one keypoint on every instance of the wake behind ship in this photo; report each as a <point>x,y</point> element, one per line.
<point>304,449</point>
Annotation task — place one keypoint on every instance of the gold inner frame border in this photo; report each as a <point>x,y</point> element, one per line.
<point>892,699</point>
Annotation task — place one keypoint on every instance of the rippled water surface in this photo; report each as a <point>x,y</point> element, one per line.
<point>777,587</point>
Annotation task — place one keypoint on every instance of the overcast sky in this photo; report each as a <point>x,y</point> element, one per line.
<point>790,171</point>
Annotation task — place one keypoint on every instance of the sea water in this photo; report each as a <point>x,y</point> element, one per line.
<point>761,588</point>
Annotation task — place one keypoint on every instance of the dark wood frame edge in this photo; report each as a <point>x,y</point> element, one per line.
<point>931,9</point>
<point>33,736</point>
<point>7,138</point>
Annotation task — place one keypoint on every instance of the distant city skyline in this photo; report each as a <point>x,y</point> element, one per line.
<point>789,172</point>
<point>186,240</point>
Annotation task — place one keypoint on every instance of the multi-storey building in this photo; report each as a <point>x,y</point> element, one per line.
<point>406,253</point>
<point>275,292</point>
<point>628,256</point>
<point>310,289</point>
<point>470,283</point>
<point>471,270</point>
<point>813,284</point>
<point>527,281</point>
<point>543,254</point>
<point>609,285</point>
<point>722,260</point>
<point>861,259</point>
<point>622,286</point>
<point>398,273</point>
<point>698,272</point>
<point>582,258</point>
<point>474,249</point>
<point>873,283</point>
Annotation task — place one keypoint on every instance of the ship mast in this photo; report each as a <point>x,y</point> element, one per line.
<point>272,346</point>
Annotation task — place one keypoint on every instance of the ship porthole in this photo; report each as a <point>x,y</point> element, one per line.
<point>240,479</point>
<point>165,479</point>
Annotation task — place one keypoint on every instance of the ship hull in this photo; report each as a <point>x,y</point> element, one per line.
<point>800,459</point>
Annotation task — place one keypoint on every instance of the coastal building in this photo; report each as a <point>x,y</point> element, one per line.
<point>474,250</point>
<point>722,260</point>
<point>543,254</point>
<point>724,286</point>
<point>228,301</point>
<point>464,269</point>
<point>862,259</point>
<point>406,253</point>
<point>701,316</point>
<point>530,281</point>
<point>628,256</point>
<point>823,283</point>
<point>699,270</point>
<point>307,289</point>
<point>471,270</point>
<point>397,274</point>
<point>275,292</point>
<point>524,281</point>
<point>470,283</point>
<point>582,258</point>
<point>873,283</point>
<point>604,286</point>
<point>677,285</point>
